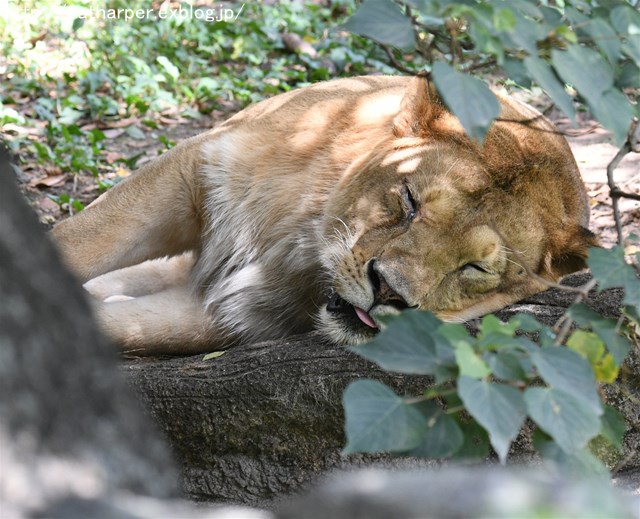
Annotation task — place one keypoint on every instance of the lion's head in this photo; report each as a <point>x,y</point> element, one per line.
<point>432,220</point>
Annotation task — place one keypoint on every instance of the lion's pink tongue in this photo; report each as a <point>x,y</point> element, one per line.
<point>365,317</point>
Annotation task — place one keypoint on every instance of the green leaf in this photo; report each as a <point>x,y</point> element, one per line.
<point>443,436</point>
<point>611,270</point>
<point>504,20</point>
<point>605,38</point>
<point>544,76</point>
<point>565,369</point>
<point>570,421</point>
<point>613,426</point>
<point>626,21</point>
<point>376,419</point>
<point>456,89</point>
<point>135,133</point>
<point>571,66</point>
<point>527,323</point>
<point>77,24</point>
<point>526,33</point>
<point>495,334</point>
<point>500,409</point>
<point>475,443</point>
<point>384,22</point>
<point>606,329</point>
<point>591,347</point>
<point>169,67</point>
<point>409,344</point>
<point>615,113</point>
<point>516,70</point>
<point>507,366</point>
<point>629,76</point>
<point>587,344</point>
<point>213,355</point>
<point>579,464</point>
<point>490,323</point>
<point>470,363</point>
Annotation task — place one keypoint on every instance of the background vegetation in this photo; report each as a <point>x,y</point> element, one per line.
<point>70,84</point>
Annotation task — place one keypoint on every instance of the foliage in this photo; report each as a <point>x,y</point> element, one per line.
<point>507,373</point>
<point>69,72</point>
<point>522,371</point>
<point>550,42</point>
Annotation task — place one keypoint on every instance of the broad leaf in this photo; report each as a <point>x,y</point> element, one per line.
<point>615,113</point>
<point>409,344</point>
<point>587,344</point>
<point>545,77</point>
<point>565,369</point>
<point>613,426</point>
<point>604,37</point>
<point>606,329</point>
<point>525,35</point>
<point>626,21</point>
<point>571,66</point>
<point>376,419</point>
<point>611,270</point>
<point>170,68</point>
<point>591,347</point>
<point>384,22</point>
<point>579,464</point>
<point>570,421</point>
<point>468,98</point>
<point>507,366</point>
<point>475,443</point>
<point>500,409</point>
<point>527,323</point>
<point>443,436</point>
<point>470,364</point>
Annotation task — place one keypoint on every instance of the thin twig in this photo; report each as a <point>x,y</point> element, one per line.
<point>399,66</point>
<point>565,319</point>
<point>624,194</point>
<point>613,189</point>
<point>632,143</point>
<point>476,66</point>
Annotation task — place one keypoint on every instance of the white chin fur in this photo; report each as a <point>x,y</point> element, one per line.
<point>336,331</point>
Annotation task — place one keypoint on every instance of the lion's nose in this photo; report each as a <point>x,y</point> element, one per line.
<point>382,292</point>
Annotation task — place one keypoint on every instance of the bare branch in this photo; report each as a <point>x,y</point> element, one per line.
<point>613,189</point>
<point>563,326</point>
<point>399,66</point>
<point>480,65</point>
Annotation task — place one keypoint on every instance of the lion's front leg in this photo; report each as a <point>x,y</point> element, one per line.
<point>172,321</point>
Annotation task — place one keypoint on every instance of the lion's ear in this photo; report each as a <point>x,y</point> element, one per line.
<point>419,106</point>
<point>572,256</point>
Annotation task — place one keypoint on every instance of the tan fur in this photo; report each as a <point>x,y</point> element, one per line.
<point>308,194</point>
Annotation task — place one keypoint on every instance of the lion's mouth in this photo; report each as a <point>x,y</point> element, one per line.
<point>352,315</point>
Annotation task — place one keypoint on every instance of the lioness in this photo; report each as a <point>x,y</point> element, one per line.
<point>331,205</point>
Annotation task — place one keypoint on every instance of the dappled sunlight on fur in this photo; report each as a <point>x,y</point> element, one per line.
<point>330,206</point>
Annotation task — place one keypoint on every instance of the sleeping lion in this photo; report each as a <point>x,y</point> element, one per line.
<point>330,207</point>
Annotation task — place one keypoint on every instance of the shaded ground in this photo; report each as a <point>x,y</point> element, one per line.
<point>591,145</point>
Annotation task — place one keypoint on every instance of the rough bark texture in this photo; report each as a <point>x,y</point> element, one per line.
<point>69,423</point>
<point>263,419</point>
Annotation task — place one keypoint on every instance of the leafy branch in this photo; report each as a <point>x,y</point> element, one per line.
<point>497,379</point>
<point>487,384</point>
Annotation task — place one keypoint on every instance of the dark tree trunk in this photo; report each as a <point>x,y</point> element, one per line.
<point>69,423</point>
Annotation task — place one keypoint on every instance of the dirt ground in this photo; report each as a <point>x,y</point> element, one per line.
<point>591,145</point>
